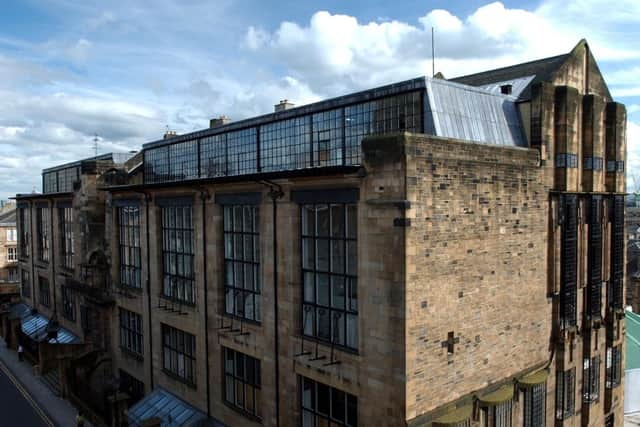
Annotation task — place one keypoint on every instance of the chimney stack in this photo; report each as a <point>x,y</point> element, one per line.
<point>220,121</point>
<point>284,104</point>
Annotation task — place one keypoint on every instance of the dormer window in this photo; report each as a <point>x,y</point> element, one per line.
<point>506,89</point>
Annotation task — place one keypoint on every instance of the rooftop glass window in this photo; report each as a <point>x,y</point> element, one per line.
<point>315,139</point>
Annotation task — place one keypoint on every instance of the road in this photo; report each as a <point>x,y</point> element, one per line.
<point>17,408</point>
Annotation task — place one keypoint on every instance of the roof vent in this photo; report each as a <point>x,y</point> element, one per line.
<point>169,134</point>
<point>220,121</point>
<point>284,104</point>
<point>506,89</point>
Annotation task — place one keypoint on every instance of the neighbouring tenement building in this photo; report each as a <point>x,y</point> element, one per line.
<point>429,253</point>
<point>9,281</point>
<point>63,322</point>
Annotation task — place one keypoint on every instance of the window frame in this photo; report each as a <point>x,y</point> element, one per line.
<point>131,332</point>
<point>613,367</point>
<point>500,415</point>
<point>179,337</point>
<point>24,223</point>
<point>239,380</point>
<point>232,260</point>
<point>565,394</point>
<point>25,283</point>
<point>68,304</point>
<point>313,275</point>
<point>535,405</point>
<point>43,231</point>
<point>12,253</point>
<point>316,413</point>
<point>591,380</point>
<point>44,292</point>
<point>129,246</point>
<point>177,286</point>
<point>65,221</point>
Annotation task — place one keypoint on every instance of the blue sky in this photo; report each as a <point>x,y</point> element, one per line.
<point>125,71</point>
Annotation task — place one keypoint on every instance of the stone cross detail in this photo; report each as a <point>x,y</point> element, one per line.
<point>450,342</point>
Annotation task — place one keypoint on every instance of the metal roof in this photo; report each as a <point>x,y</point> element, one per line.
<point>463,112</point>
<point>518,85</point>
<point>173,411</point>
<point>35,326</point>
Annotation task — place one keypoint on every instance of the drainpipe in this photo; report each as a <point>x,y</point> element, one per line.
<point>53,259</point>
<point>32,255</point>
<point>275,193</point>
<point>204,196</point>
<point>147,199</point>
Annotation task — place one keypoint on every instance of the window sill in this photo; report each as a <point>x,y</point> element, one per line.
<point>241,411</point>
<point>173,300</point>
<point>65,271</point>
<point>129,288</point>
<point>132,354</point>
<point>179,379</point>
<point>257,323</point>
<point>328,344</point>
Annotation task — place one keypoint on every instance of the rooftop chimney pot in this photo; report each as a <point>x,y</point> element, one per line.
<point>169,134</point>
<point>284,104</point>
<point>220,121</point>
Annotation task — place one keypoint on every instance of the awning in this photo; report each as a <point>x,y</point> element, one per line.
<point>534,378</point>
<point>173,411</point>
<point>455,417</point>
<point>35,327</point>
<point>497,397</point>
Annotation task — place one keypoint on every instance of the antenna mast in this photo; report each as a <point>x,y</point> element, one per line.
<point>95,143</point>
<point>433,55</point>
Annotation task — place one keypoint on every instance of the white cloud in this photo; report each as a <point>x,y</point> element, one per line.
<point>78,53</point>
<point>125,70</point>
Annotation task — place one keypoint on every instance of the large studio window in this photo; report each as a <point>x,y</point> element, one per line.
<point>242,261</point>
<point>65,215</point>
<point>323,405</point>
<point>43,229</point>
<point>131,332</point>
<point>129,245</point>
<point>242,382</point>
<point>179,354</point>
<point>329,269</point>
<point>178,253</point>
<point>565,393</point>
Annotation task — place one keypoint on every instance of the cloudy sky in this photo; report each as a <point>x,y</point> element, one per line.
<point>70,69</point>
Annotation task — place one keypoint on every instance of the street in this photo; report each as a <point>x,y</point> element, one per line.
<point>16,407</point>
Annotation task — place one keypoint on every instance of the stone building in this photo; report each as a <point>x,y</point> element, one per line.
<point>9,281</point>
<point>429,253</point>
<point>63,322</point>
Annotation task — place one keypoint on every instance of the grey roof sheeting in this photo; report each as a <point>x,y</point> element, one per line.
<point>518,86</point>
<point>542,69</point>
<point>173,411</point>
<point>8,219</point>
<point>35,326</point>
<point>462,112</point>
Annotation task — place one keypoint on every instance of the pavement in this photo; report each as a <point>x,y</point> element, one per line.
<point>632,420</point>
<point>46,408</point>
